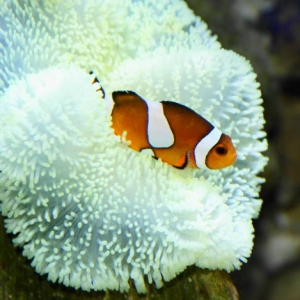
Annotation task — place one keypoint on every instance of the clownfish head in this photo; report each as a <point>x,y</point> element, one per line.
<point>222,154</point>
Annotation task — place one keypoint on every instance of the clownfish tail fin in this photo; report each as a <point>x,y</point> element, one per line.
<point>97,82</point>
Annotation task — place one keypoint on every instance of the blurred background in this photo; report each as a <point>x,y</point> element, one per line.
<point>267,32</point>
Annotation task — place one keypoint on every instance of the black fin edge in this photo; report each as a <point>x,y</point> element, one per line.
<point>122,93</point>
<point>184,165</point>
<point>101,87</point>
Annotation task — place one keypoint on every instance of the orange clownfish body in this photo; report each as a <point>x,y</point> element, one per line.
<point>171,131</point>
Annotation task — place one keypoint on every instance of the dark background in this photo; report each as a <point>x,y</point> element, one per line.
<point>268,34</point>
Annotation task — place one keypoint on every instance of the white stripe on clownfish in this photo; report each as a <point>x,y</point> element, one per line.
<point>205,145</point>
<point>159,132</point>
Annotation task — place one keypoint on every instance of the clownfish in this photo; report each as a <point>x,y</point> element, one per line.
<point>170,131</point>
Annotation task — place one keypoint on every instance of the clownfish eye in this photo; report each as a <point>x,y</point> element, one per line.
<point>221,150</point>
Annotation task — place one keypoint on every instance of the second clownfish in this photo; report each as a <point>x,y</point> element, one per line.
<point>170,131</point>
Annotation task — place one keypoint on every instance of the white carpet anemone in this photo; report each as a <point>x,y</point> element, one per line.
<point>90,212</point>
<point>93,34</point>
<point>221,86</point>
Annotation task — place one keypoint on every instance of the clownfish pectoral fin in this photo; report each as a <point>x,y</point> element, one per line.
<point>182,162</point>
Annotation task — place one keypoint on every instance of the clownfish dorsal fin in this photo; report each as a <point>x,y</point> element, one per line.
<point>125,96</point>
<point>178,106</point>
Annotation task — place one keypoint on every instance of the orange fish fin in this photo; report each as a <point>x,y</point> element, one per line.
<point>125,96</point>
<point>182,162</point>
<point>96,81</point>
<point>178,106</point>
